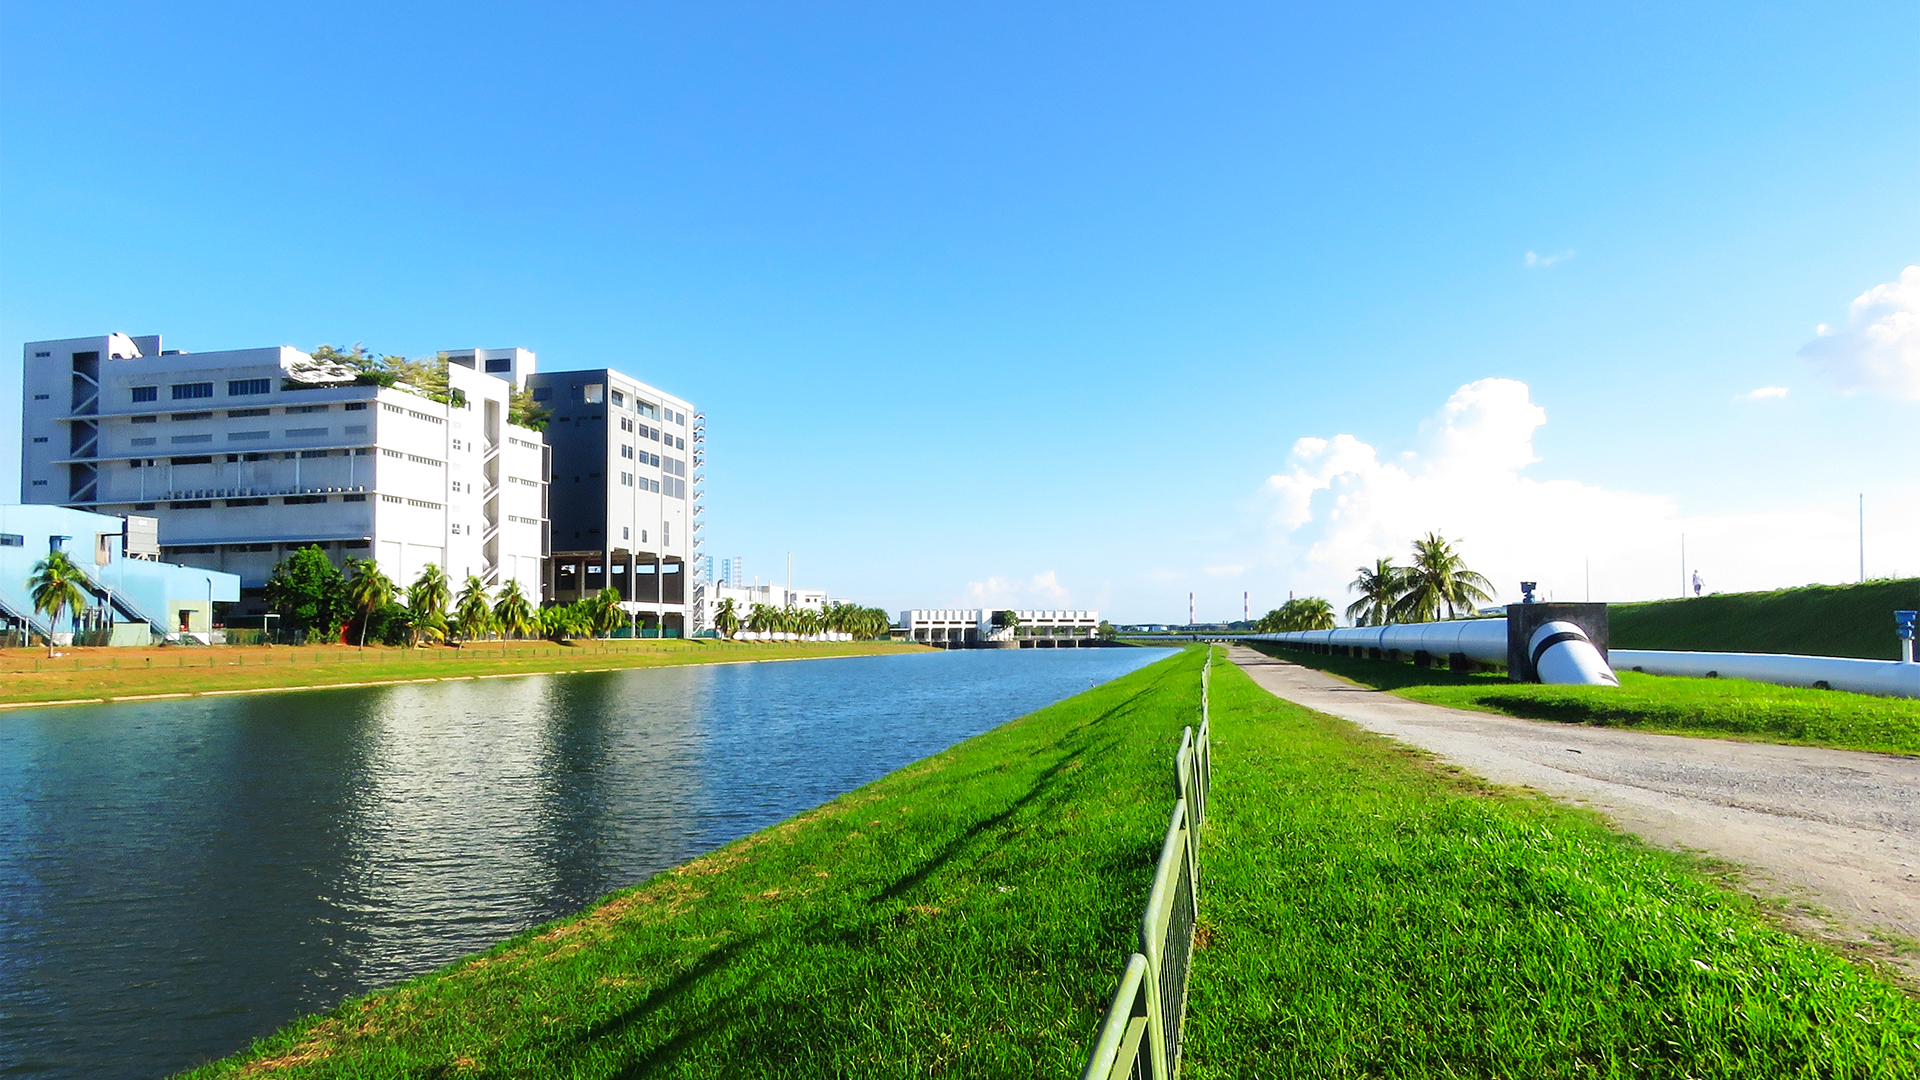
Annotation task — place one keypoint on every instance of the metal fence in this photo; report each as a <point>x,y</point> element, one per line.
<point>1140,1036</point>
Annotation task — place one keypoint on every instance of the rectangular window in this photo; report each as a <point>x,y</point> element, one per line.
<point>183,417</point>
<point>143,506</point>
<point>245,436</point>
<point>236,503</point>
<point>181,440</point>
<point>39,438</point>
<point>626,479</point>
<point>41,397</point>
<point>306,432</point>
<point>498,364</point>
<point>39,483</point>
<point>301,500</point>
<point>191,390</point>
<point>353,498</point>
<point>12,540</point>
<point>247,387</point>
<point>595,393</point>
<point>192,504</point>
<point>242,414</point>
<point>145,442</point>
<point>354,429</point>
<point>355,406</point>
<point>315,453</point>
<point>297,409</point>
<point>146,393</point>
<point>146,419</point>
<point>626,452</point>
<point>203,459</point>
<point>543,393</point>
<point>619,400</point>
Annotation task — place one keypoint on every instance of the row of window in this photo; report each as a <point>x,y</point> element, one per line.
<point>208,549</point>
<point>239,414</point>
<point>193,390</point>
<point>289,500</point>
<point>392,408</point>
<point>207,459</point>
<point>595,393</point>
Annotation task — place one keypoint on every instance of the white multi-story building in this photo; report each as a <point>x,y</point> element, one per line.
<point>246,455</point>
<point>626,496</point>
<point>977,627</point>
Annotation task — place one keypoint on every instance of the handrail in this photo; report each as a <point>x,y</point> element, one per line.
<point>1141,1033</point>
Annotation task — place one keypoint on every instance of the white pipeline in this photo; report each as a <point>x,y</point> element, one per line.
<point>1888,678</point>
<point>1561,652</point>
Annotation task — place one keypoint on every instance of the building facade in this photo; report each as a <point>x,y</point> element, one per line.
<point>626,496</point>
<point>131,596</point>
<point>246,455</point>
<point>963,628</point>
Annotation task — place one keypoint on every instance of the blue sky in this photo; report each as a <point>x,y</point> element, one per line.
<point>1034,304</point>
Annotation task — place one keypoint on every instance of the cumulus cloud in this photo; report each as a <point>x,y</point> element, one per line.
<point>1043,588</point>
<point>1339,504</point>
<point>1761,393</point>
<point>1541,262</point>
<point>1878,350</point>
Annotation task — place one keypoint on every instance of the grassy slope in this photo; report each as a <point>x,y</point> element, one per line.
<point>84,674</point>
<point>965,916</point>
<point>1819,620</point>
<point>1365,914</point>
<point>1724,708</point>
<point>1370,914</point>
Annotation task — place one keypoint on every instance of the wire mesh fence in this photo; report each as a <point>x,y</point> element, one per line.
<point>1140,1036</point>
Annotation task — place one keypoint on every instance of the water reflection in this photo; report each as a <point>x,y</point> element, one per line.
<point>179,877</point>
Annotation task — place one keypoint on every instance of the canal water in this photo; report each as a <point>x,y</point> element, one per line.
<point>180,877</point>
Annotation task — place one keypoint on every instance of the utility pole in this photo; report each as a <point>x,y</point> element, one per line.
<point>1863,538</point>
<point>1246,607</point>
<point>1683,566</point>
<point>1189,611</point>
<point>789,602</point>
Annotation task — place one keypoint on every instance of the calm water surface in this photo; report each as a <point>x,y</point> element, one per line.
<point>179,877</point>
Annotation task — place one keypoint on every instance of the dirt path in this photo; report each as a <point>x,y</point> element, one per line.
<point>1834,830</point>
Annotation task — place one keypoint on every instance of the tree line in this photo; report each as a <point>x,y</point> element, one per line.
<point>1436,584</point>
<point>314,596</point>
<point>861,622</point>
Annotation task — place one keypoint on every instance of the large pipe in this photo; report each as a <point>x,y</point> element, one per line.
<point>1562,655</point>
<point>1481,640</point>
<point>1561,652</point>
<point>1888,678</point>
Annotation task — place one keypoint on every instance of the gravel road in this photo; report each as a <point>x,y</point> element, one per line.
<point>1836,829</point>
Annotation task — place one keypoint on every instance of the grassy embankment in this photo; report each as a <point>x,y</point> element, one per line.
<point>28,676</point>
<point>1818,620</point>
<point>1720,708</point>
<point>1364,913</point>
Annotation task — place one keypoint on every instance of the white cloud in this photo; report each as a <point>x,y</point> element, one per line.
<point>1541,262</point>
<point>1879,349</point>
<point>1761,393</point>
<point>1043,587</point>
<point>1338,505</point>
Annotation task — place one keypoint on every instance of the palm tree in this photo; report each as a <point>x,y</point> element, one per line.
<point>604,611</point>
<point>1379,586</point>
<point>472,616</point>
<point>727,618</point>
<point>427,598</point>
<point>1305,613</point>
<point>760,619</point>
<point>1439,581</point>
<point>512,613</point>
<point>57,585</point>
<point>368,590</point>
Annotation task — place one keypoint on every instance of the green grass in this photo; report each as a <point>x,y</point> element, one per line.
<point>1364,914</point>
<point>1818,620</point>
<point>1369,914</point>
<point>1722,708</point>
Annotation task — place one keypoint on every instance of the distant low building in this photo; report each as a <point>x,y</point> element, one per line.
<point>132,597</point>
<point>1026,628</point>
